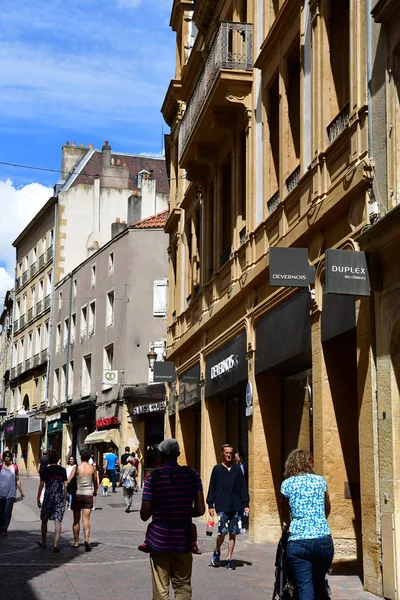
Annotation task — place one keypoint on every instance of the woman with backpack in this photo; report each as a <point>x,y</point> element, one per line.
<point>9,482</point>
<point>128,482</point>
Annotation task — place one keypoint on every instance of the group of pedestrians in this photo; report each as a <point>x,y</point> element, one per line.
<point>172,497</point>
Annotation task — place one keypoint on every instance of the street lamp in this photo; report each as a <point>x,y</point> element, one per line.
<point>151,357</point>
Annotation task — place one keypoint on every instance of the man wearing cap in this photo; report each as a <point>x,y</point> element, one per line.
<point>172,495</point>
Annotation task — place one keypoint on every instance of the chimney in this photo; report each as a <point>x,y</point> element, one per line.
<point>106,155</point>
<point>71,155</point>
<point>117,227</point>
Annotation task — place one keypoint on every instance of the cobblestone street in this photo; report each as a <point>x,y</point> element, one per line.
<point>116,569</point>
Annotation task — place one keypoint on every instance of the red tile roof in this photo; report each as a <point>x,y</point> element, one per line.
<point>155,221</point>
<point>134,163</point>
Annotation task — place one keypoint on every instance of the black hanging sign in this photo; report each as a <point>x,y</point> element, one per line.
<point>289,267</point>
<point>164,370</point>
<point>346,273</point>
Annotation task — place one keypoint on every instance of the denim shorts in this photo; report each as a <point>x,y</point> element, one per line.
<point>230,522</point>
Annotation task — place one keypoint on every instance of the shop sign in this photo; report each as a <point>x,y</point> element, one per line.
<point>164,371</point>
<point>227,366</point>
<point>106,422</point>
<point>54,427</point>
<point>148,408</point>
<point>346,272</point>
<point>249,399</point>
<point>110,377</point>
<point>289,267</point>
<point>35,425</point>
<point>189,387</point>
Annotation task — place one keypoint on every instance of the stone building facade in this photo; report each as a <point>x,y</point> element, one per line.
<point>268,147</point>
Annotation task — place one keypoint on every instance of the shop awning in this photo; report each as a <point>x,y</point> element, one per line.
<point>106,436</point>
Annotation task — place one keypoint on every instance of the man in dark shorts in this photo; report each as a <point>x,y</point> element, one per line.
<point>172,495</point>
<point>228,497</point>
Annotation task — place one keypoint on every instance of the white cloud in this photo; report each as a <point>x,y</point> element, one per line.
<point>17,208</point>
<point>128,3</point>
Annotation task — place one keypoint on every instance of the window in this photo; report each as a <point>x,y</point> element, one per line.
<point>46,334</point>
<point>36,393</point>
<point>33,297</point>
<point>74,288</point>
<point>83,328</point>
<point>41,289</point>
<point>21,350</point>
<point>93,276</point>
<point>60,299</point>
<point>273,149</point>
<point>18,310</point>
<point>110,309</point>
<point>38,341</point>
<point>65,336</point>
<point>49,278</point>
<point>143,174</point>
<point>34,255</point>
<point>18,399</point>
<point>20,268</point>
<point>56,386</point>
<point>86,375</point>
<point>108,362</point>
<point>92,317</point>
<point>13,399</point>
<point>63,382</point>
<point>160,298</point>
<point>111,263</point>
<point>25,304</point>
<point>43,390</point>
<point>43,248</point>
<point>15,355</point>
<point>51,238</point>
<point>73,329</point>
<point>26,262</point>
<point>30,346</point>
<point>71,380</point>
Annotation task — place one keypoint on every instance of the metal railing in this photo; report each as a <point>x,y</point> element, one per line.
<point>30,314</point>
<point>17,283</point>
<point>28,364</point>
<point>20,368</point>
<point>293,179</point>
<point>339,123</point>
<point>16,325</point>
<point>273,202</point>
<point>47,301</point>
<point>33,268</point>
<point>36,360</point>
<point>21,321</point>
<point>242,235</point>
<point>49,253</point>
<point>232,50</point>
<point>43,356</point>
<point>24,277</point>
<point>39,307</point>
<point>41,261</point>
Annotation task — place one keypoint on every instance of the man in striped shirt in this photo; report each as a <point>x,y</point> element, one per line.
<point>172,495</point>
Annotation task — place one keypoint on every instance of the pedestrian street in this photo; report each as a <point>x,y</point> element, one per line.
<point>117,569</point>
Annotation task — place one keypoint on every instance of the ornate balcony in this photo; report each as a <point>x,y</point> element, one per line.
<point>231,51</point>
<point>293,179</point>
<point>338,124</point>
<point>273,202</point>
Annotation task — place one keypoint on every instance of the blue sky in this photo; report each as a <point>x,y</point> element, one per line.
<point>83,71</point>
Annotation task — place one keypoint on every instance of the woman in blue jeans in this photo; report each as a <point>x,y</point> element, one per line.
<point>306,507</point>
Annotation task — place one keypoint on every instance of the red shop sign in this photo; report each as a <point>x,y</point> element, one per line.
<point>106,422</point>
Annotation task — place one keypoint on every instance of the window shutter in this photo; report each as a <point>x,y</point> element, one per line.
<point>160,298</point>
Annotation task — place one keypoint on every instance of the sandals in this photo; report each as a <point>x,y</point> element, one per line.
<point>88,547</point>
<point>40,543</point>
<point>75,546</point>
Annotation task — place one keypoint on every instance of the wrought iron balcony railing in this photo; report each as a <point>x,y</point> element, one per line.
<point>24,277</point>
<point>43,356</point>
<point>30,314</point>
<point>47,302</point>
<point>273,202</point>
<point>339,123</point>
<point>242,235</point>
<point>49,253</point>
<point>21,321</point>
<point>36,360</point>
<point>39,307</point>
<point>41,261</point>
<point>232,50</point>
<point>293,179</point>
<point>33,268</point>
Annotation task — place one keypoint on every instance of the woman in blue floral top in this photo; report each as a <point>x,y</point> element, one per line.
<point>306,507</point>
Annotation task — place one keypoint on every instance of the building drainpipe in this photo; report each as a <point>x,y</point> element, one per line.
<point>69,336</point>
<point>53,285</point>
